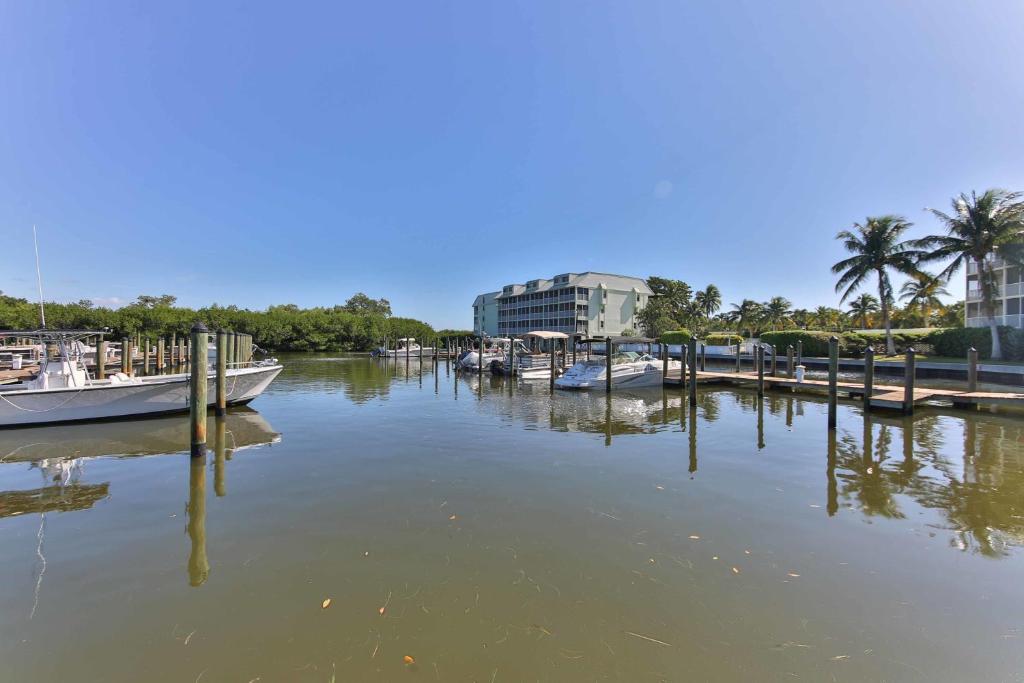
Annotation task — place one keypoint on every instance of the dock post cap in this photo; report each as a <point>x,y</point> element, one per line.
<point>972,349</point>
<point>199,327</point>
<point>910,349</point>
<point>833,338</point>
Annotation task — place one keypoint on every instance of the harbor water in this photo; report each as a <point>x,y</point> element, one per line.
<point>374,521</point>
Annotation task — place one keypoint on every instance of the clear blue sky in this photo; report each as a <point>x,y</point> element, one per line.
<point>259,153</point>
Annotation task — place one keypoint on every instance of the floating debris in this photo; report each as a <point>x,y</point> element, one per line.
<point>408,659</point>
<point>325,604</point>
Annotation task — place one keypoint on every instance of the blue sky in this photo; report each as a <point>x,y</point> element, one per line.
<point>260,153</point>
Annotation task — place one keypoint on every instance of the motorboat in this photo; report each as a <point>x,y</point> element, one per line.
<point>629,369</point>
<point>65,391</point>
<point>494,349</point>
<point>407,348</point>
<point>529,363</point>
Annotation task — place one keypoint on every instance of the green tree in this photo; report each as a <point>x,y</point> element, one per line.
<point>922,293</point>
<point>777,311</point>
<point>708,301</point>
<point>672,300</point>
<point>876,249</point>
<point>746,315</point>
<point>980,229</point>
<point>360,303</point>
<point>862,307</point>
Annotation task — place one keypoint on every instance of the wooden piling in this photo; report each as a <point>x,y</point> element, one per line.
<point>910,370</point>
<point>799,352</point>
<point>145,357</point>
<point>790,369</point>
<point>480,359</point>
<point>972,369</point>
<point>759,360</point>
<point>160,351</point>
<point>739,348</point>
<point>101,358</point>
<point>551,380</point>
<point>197,389</point>
<point>608,364</point>
<point>775,361</point>
<point>222,366</point>
<point>833,378</point>
<point>693,371</point>
<point>703,356</point>
<point>663,348</point>
<point>869,377</point>
<point>174,346</point>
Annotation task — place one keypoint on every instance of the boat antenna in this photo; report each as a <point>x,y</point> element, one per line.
<point>39,280</point>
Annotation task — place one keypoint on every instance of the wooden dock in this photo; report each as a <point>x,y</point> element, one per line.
<point>886,397</point>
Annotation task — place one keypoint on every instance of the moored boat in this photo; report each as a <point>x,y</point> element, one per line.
<point>65,391</point>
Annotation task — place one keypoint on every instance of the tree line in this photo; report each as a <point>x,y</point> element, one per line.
<point>357,325</point>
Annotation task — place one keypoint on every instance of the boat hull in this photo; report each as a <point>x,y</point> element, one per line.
<point>117,400</point>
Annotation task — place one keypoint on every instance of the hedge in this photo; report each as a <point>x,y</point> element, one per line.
<point>722,339</point>
<point>955,342</point>
<point>676,337</point>
<point>815,343</point>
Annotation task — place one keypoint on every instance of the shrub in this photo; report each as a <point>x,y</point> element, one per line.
<point>676,337</point>
<point>815,343</point>
<point>856,342</point>
<point>956,341</point>
<point>722,339</point>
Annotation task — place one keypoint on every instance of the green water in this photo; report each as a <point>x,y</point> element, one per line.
<point>511,535</point>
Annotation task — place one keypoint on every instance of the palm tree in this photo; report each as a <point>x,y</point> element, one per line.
<point>801,317</point>
<point>863,306</point>
<point>923,292</point>
<point>709,301</point>
<point>827,318</point>
<point>776,311</point>
<point>980,229</point>
<point>876,249</point>
<point>746,314</point>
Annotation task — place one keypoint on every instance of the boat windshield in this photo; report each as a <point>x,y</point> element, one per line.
<point>625,357</point>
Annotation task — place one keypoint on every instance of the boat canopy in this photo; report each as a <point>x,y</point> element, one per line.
<point>544,334</point>
<point>620,340</point>
<point>52,334</point>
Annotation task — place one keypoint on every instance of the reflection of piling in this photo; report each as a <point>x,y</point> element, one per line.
<point>219,434</point>
<point>760,423</point>
<point>197,390</point>
<point>833,378</point>
<point>198,563</point>
<point>908,381</point>
<point>222,365</point>
<point>832,485</point>
<point>693,436</point>
<point>869,376</point>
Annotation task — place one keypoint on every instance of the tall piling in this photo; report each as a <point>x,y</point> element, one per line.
<point>910,371</point>
<point>759,360</point>
<point>739,349</point>
<point>703,356</point>
<point>145,357</point>
<point>972,369</point>
<point>161,350</point>
<point>101,358</point>
<point>775,361</point>
<point>197,389</point>
<point>869,377</point>
<point>693,371</point>
<point>790,369</point>
<point>799,352</point>
<point>608,364</point>
<point>833,378</point>
<point>222,366</point>
<point>551,380</point>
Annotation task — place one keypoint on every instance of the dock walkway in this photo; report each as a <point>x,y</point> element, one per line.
<point>883,396</point>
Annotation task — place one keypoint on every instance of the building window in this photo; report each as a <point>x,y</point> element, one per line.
<point>1013,307</point>
<point>1012,275</point>
<point>973,310</point>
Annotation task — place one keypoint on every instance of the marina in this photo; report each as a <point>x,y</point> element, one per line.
<point>566,536</point>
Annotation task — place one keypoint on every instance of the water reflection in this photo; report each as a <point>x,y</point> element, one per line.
<point>980,493</point>
<point>198,564</point>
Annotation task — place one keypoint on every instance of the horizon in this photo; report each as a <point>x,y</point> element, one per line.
<point>257,157</point>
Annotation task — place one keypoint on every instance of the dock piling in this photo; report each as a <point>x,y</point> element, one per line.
<point>759,361</point>
<point>972,369</point>
<point>908,381</point>
<point>703,356</point>
<point>197,389</point>
<point>799,351</point>
<point>161,350</point>
<point>480,359</point>
<point>789,362</point>
<point>869,377</point>
<point>833,378</point>
<point>739,350</point>
<point>775,361</point>
<point>693,371</point>
<point>222,365</point>
<point>145,357</point>
<point>608,364</point>
<point>551,380</point>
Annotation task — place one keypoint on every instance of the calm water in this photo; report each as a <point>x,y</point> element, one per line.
<point>496,533</point>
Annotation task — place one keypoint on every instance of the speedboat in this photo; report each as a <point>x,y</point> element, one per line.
<point>407,348</point>
<point>629,370</point>
<point>533,364</point>
<point>494,349</point>
<point>65,391</point>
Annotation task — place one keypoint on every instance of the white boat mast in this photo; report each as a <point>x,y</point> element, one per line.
<point>39,280</point>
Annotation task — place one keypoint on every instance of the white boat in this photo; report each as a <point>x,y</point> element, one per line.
<point>64,390</point>
<point>407,347</point>
<point>531,363</point>
<point>495,349</point>
<point>629,370</point>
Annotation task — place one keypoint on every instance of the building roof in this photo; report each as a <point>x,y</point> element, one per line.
<point>588,279</point>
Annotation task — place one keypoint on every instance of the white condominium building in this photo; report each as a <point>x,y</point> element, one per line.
<point>1008,303</point>
<point>586,304</point>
